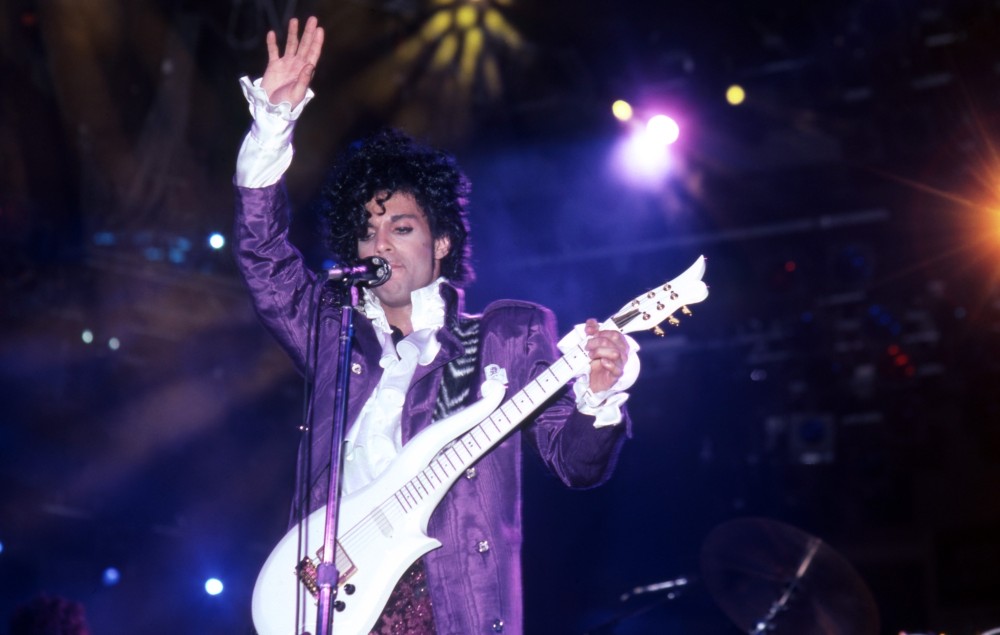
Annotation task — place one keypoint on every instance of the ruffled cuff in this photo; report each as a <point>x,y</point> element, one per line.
<point>267,151</point>
<point>606,405</point>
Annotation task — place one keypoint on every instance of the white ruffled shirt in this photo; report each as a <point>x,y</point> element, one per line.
<point>375,439</point>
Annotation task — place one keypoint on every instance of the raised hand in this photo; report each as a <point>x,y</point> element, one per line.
<point>287,76</point>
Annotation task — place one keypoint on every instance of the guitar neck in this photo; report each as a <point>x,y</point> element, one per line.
<point>471,446</point>
<point>452,461</point>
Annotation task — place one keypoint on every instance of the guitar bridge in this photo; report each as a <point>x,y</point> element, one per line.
<point>307,570</point>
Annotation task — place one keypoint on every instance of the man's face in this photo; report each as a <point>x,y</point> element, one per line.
<point>399,232</point>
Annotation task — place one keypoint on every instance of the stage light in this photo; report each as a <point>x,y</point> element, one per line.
<point>1,546</point>
<point>735,95</point>
<point>213,586</point>
<point>642,161</point>
<point>622,110</point>
<point>111,576</point>
<point>663,130</point>
<point>87,336</point>
<point>217,241</point>
<point>114,343</point>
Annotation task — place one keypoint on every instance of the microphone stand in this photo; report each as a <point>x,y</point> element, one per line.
<point>327,575</point>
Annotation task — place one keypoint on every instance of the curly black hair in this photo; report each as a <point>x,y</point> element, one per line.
<point>388,162</point>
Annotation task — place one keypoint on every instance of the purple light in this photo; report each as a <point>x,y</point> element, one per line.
<point>642,160</point>
<point>663,130</point>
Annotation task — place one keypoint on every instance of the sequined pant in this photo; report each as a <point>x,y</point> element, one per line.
<point>408,611</point>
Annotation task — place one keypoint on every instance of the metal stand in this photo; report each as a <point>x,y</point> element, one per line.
<point>327,574</point>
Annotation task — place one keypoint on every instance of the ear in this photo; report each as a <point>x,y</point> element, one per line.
<point>442,247</point>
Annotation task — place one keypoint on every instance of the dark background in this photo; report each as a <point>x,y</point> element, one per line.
<point>841,378</point>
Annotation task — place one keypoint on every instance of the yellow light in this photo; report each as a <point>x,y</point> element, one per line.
<point>436,26</point>
<point>498,26</point>
<point>446,51</point>
<point>471,50</point>
<point>735,95</point>
<point>466,16</point>
<point>622,110</point>
<point>491,77</point>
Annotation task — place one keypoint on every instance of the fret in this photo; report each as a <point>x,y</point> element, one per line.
<point>435,466</point>
<point>537,392</point>
<point>496,424</point>
<point>472,441</point>
<point>422,484</point>
<point>402,502</point>
<point>445,457</point>
<point>500,419</point>
<point>483,438</point>
<point>412,492</point>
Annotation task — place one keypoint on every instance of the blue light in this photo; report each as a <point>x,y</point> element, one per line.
<point>213,586</point>
<point>111,576</point>
<point>217,241</point>
<point>104,239</point>
<point>1,546</point>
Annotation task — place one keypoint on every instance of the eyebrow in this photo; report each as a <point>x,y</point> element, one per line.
<point>398,217</point>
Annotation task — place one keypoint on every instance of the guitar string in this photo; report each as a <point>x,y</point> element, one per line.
<point>391,507</point>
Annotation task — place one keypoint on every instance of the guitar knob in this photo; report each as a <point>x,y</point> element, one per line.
<point>349,589</point>
<point>339,605</point>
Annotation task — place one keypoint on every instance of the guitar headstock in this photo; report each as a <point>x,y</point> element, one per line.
<point>659,304</point>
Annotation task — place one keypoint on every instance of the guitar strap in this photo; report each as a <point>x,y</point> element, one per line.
<point>456,386</point>
<point>409,610</point>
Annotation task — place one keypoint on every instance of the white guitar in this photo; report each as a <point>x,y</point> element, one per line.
<point>382,528</point>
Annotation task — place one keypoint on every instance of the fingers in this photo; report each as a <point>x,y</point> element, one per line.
<point>292,43</point>
<point>609,348</point>
<point>307,49</point>
<point>315,45</point>
<point>302,83</point>
<point>272,46</point>
<point>308,45</point>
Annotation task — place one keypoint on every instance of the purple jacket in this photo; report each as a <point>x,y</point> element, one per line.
<point>475,578</point>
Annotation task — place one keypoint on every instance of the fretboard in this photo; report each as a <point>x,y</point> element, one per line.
<point>434,480</point>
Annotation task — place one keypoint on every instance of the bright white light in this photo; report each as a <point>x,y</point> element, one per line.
<point>217,241</point>
<point>114,344</point>
<point>87,336</point>
<point>642,161</point>
<point>663,130</point>
<point>111,576</point>
<point>213,586</point>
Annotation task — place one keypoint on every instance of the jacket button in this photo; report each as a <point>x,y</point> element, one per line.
<point>471,473</point>
<point>356,368</point>
<point>498,626</point>
<point>483,546</point>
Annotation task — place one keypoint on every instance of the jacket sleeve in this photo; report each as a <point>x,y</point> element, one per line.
<point>580,455</point>
<point>284,291</point>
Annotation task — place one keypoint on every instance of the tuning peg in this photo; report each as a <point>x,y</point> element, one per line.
<point>672,321</point>
<point>685,310</point>
<point>657,331</point>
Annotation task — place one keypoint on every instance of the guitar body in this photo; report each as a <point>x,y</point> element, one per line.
<point>382,528</point>
<point>381,532</point>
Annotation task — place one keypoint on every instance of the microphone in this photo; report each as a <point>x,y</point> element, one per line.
<point>370,272</point>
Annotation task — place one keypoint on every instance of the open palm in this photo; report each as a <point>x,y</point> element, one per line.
<point>287,76</point>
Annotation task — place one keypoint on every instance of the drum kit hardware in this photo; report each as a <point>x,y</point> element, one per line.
<point>772,578</point>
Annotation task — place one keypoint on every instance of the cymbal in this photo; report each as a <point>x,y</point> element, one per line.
<point>771,577</point>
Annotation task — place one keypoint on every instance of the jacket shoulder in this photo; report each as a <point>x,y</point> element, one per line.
<point>500,307</point>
